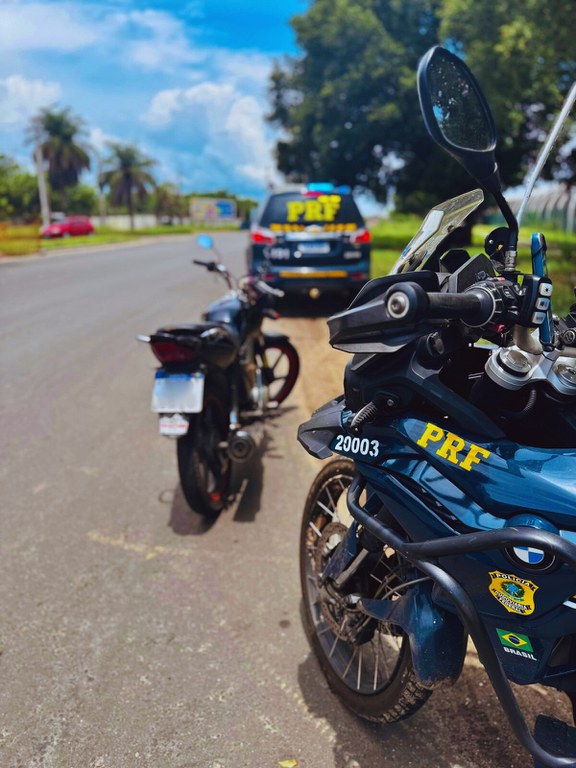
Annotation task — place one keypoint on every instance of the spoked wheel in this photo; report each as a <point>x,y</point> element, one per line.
<point>280,366</point>
<point>367,663</point>
<point>203,466</point>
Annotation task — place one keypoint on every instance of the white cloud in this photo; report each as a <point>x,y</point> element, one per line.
<point>219,126</point>
<point>21,98</point>
<point>206,102</point>
<point>151,40</point>
<point>160,43</point>
<point>37,26</point>
<point>245,69</point>
<point>205,123</point>
<point>100,140</point>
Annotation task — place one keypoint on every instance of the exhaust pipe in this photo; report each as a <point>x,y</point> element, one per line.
<point>242,444</point>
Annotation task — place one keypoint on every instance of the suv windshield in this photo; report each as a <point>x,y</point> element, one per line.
<point>295,211</point>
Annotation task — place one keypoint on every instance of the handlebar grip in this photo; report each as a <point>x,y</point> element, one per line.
<point>265,288</point>
<point>461,306</point>
<point>410,302</point>
<point>211,266</point>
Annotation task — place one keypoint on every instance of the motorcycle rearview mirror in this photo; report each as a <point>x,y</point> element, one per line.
<point>458,118</point>
<point>205,241</point>
<point>457,115</point>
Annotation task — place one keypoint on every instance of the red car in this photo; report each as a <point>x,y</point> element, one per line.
<point>68,227</point>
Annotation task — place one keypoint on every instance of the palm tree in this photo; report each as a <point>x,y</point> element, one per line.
<point>126,174</point>
<point>169,203</point>
<point>58,133</point>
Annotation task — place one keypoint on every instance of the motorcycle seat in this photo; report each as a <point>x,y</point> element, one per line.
<point>222,331</point>
<point>208,333</point>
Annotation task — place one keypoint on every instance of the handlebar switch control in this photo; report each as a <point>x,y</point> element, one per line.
<point>535,301</point>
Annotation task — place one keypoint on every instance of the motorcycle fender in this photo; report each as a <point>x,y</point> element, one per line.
<point>437,638</point>
<point>344,554</point>
<point>274,337</point>
<point>319,431</point>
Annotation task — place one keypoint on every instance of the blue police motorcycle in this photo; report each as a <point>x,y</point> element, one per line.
<point>451,510</point>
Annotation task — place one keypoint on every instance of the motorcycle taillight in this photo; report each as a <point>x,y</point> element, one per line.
<point>171,352</point>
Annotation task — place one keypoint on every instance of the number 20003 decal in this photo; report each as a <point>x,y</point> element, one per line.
<point>359,446</point>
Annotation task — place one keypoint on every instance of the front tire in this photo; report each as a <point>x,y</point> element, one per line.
<point>367,663</point>
<point>204,467</point>
<point>280,366</point>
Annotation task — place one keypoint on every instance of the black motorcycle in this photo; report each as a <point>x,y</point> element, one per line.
<point>452,508</point>
<point>218,380</point>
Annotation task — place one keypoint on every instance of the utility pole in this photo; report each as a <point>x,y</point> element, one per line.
<point>102,195</point>
<point>42,192</point>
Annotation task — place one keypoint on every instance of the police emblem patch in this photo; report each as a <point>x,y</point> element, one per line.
<point>513,592</point>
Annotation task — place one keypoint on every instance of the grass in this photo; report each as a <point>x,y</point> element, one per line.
<point>24,240</point>
<point>17,241</point>
<point>390,237</point>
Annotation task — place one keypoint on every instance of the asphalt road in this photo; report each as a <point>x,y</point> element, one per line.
<point>132,633</point>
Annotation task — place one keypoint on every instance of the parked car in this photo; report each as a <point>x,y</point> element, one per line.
<point>311,240</point>
<point>70,226</point>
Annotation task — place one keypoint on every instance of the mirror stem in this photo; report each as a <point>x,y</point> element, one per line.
<point>511,251</point>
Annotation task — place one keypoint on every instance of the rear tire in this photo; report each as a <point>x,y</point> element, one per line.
<point>367,663</point>
<point>203,467</point>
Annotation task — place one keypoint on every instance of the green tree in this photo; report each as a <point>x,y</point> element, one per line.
<point>348,104</point>
<point>126,173</point>
<point>82,200</point>
<point>168,202</point>
<point>18,192</point>
<point>59,134</point>
<point>524,56</point>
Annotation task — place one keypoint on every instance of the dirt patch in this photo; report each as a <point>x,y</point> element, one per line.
<point>321,367</point>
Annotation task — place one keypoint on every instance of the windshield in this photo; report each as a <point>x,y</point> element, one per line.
<point>438,224</point>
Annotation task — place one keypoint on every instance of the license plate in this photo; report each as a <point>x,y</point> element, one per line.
<point>173,424</point>
<point>178,392</point>
<point>314,248</point>
<point>279,253</point>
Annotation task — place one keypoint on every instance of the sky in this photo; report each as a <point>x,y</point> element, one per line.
<point>184,80</point>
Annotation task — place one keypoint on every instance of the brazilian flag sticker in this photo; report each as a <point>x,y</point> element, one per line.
<point>515,640</point>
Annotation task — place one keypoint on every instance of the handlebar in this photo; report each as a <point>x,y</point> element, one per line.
<point>265,288</point>
<point>474,307</point>
<point>214,266</point>
<point>410,302</point>
<point>211,266</point>
<point>258,285</point>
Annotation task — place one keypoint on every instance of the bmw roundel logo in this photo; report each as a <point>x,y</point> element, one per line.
<point>530,558</point>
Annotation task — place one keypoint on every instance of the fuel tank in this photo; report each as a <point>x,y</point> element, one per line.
<point>228,309</point>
